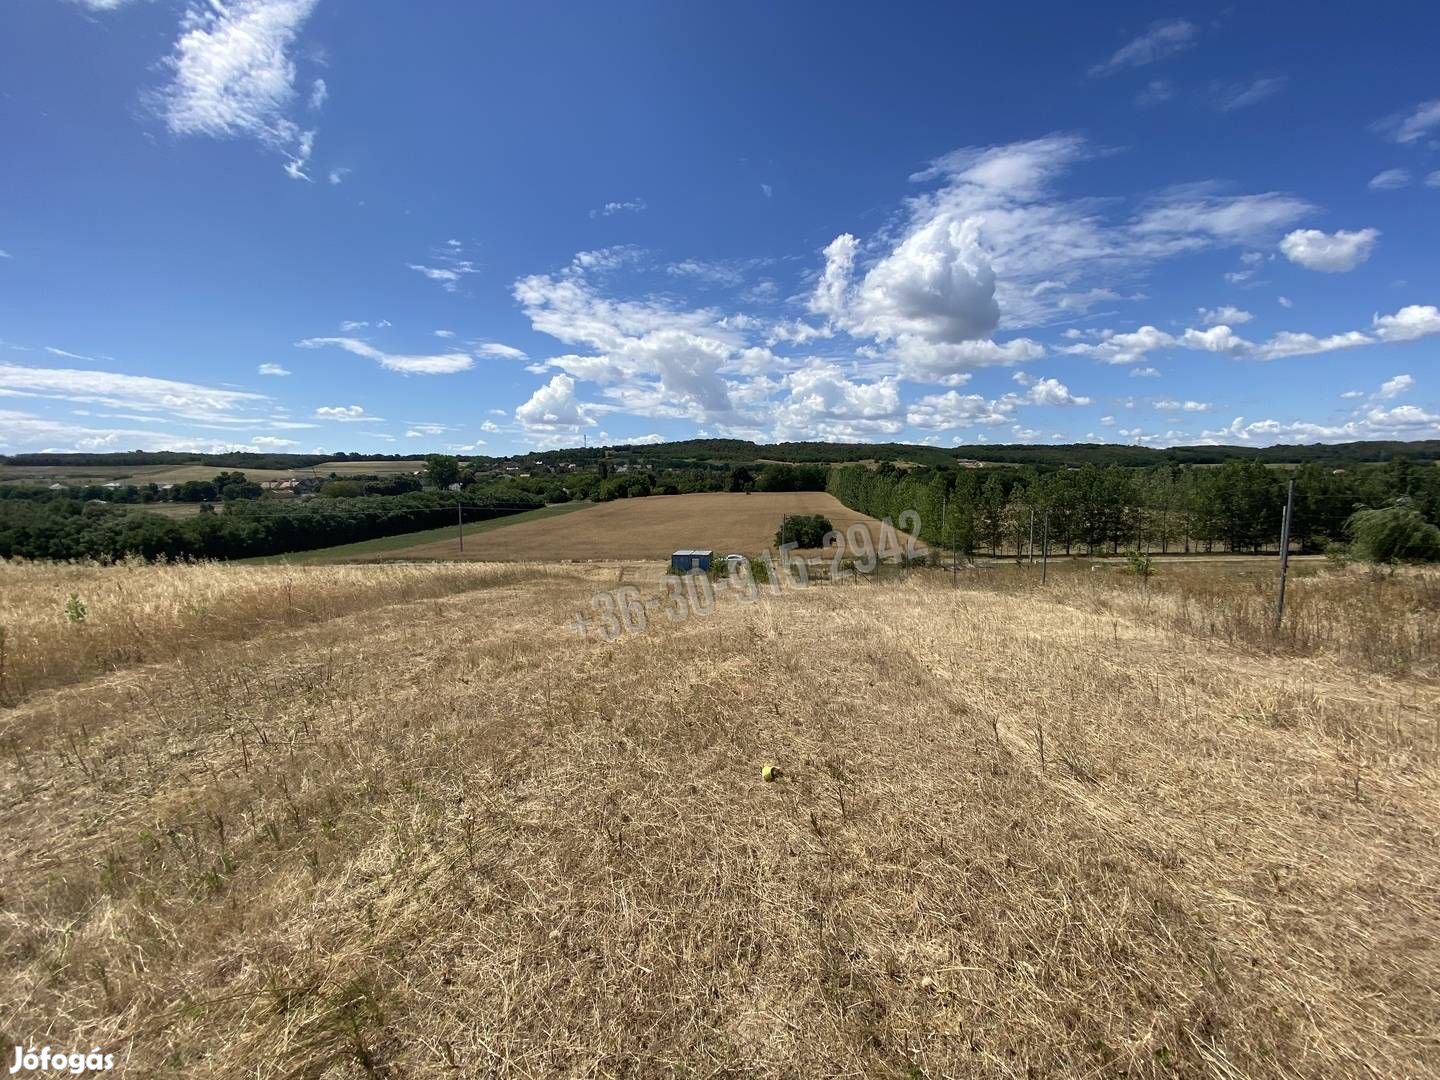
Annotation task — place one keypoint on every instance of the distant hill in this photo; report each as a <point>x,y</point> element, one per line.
<point>735,450</point>
<point>701,452</point>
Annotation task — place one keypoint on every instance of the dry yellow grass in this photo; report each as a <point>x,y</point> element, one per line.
<point>449,837</point>
<point>650,528</point>
<point>1353,617</point>
<point>134,612</point>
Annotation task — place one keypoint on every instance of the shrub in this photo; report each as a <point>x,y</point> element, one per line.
<point>803,530</point>
<point>1140,564</point>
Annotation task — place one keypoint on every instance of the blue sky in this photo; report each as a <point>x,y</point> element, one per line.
<point>312,225</point>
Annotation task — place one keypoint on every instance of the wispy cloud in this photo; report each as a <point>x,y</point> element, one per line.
<point>27,431</point>
<point>272,369</point>
<point>65,354</point>
<point>232,75</point>
<point>1155,92</point>
<point>448,276</point>
<point>1389,180</point>
<point>1231,96</point>
<point>725,272</point>
<point>1228,315</point>
<point>447,266</point>
<point>137,393</point>
<point>503,352</point>
<point>630,206</point>
<point>1411,126</point>
<point>1164,38</point>
<point>441,364</point>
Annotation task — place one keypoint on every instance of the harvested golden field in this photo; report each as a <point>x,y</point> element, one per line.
<point>368,468</point>
<point>63,622</point>
<point>650,528</point>
<point>1015,833</point>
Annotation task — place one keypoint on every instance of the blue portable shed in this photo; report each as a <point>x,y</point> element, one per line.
<point>682,562</point>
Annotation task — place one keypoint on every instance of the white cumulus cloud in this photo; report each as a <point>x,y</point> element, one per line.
<point>552,408</point>
<point>1393,388</point>
<point>1330,253</point>
<point>346,414</point>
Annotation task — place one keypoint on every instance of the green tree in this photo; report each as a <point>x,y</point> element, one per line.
<point>442,470</point>
<point>990,513</point>
<point>740,479</point>
<point>803,530</point>
<point>1394,534</point>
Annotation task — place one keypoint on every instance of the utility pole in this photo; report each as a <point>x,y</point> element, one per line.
<point>1045,548</point>
<point>459,514</point>
<point>1032,536</point>
<point>1285,550</point>
<point>954,558</point>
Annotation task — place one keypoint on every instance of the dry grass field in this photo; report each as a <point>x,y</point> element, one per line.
<point>650,528</point>
<point>403,821</point>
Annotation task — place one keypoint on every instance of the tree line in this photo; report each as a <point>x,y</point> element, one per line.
<point>68,529</point>
<point>608,481</point>
<point>1235,506</point>
<point>723,453</point>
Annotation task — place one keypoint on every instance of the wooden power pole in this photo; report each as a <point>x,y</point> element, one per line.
<point>1045,548</point>
<point>1285,551</point>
